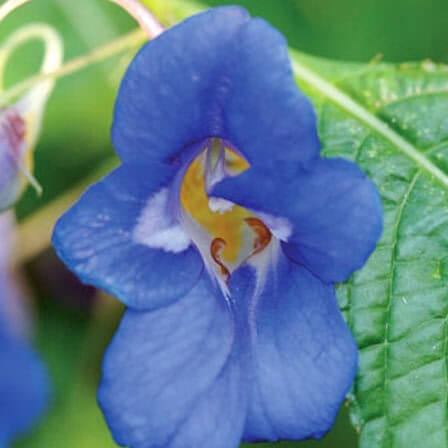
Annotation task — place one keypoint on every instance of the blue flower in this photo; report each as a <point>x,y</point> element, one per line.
<point>223,231</point>
<point>23,379</point>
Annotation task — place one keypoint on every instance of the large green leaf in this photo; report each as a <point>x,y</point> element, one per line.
<point>393,121</point>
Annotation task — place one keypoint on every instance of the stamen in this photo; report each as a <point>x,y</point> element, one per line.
<point>264,235</point>
<point>216,248</point>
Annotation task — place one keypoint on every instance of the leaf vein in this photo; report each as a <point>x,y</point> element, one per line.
<point>362,114</point>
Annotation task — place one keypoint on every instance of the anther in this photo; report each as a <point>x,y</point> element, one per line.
<point>264,235</point>
<point>216,248</point>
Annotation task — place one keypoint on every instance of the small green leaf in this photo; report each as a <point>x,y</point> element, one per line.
<point>393,121</point>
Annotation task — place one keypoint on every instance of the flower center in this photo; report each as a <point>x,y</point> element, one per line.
<point>225,233</point>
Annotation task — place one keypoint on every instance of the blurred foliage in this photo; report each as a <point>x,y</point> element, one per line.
<point>75,140</point>
<point>358,30</point>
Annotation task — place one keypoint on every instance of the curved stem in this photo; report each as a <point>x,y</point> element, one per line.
<point>142,15</point>
<point>10,6</point>
<point>129,41</point>
<point>53,56</point>
<point>139,12</point>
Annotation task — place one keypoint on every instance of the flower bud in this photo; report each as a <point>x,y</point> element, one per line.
<point>20,123</point>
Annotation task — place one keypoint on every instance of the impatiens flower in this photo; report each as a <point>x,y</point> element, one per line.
<point>23,380</point>
<point>223,231</point>
<point>20,123</point>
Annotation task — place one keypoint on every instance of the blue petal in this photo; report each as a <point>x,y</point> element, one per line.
<point>217,74</point>
<point>266,115</point>
<point>95,239</point>
<point>304,357</point>
<point>23,388</point>
<point>170,95</point>
<point>172,377</point>
<point>335,211</point>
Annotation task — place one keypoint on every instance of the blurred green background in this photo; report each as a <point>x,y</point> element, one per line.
<point>74,323</point>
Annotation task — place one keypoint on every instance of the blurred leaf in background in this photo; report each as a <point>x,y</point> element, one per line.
<point>358,30</point>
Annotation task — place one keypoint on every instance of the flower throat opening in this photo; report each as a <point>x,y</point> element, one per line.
<point>225,233</point>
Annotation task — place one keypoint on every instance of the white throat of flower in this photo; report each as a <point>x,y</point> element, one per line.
<point>225,234</point>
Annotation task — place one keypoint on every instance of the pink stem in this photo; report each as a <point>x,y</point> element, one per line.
<point>142,15</point>
<point>139,12</point>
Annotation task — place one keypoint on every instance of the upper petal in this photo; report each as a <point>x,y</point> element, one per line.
<point>172,377</point>
<point>122,236</point>
<point>334,209</point>
<point>304,357</point>
<point>267,117</point>
<point>217,74</point>
<point>170,95</point>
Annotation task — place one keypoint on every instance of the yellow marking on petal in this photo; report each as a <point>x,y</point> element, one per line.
<point>234,163</point>
<point>227,225</point>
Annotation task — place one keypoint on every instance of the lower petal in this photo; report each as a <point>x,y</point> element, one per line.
<point>304,356</point>
<point>172,377</point>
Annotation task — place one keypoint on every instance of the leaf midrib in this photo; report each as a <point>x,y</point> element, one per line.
<point>362,114</point>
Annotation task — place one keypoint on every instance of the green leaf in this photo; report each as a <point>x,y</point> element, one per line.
<point>393,121</point>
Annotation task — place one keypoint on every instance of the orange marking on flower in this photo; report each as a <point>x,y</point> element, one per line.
<point>235,163</point>
<point>226,225</point>
<point>216,248</point>
<point>264,235</point>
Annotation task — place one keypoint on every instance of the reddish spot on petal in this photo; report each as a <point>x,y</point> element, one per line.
<point>216,248</point>
<point>263,234</point>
